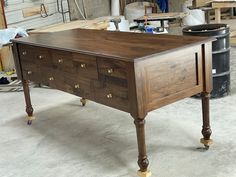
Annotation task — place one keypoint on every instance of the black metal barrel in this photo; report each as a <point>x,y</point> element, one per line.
<point>220,55</point>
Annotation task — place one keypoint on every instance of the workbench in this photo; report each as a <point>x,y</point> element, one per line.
<point>215,5</point>
<point>161,17</point>
<point>122,70</point>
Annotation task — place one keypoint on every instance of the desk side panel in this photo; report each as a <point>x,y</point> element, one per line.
<point>169,78</point>
<point>17,60</point>
<point>207,67</point>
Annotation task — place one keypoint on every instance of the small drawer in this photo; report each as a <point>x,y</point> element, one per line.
<point>112,68</point>
<point>27,52</point>
<point>32,73</point>
<point>86,66</point>
<point>112,95</point>
<point>84,88</point>
<point>62,61</point>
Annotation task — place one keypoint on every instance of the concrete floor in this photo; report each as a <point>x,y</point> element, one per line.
<point>68,140</point>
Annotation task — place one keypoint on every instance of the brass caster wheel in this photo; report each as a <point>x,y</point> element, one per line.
<point>206,147</point>
<point>30,120</point>
<point>206,143</point>
<point>144,174</point>
<point>83,101</point>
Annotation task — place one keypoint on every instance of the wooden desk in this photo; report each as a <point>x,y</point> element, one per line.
<point>136,73</point>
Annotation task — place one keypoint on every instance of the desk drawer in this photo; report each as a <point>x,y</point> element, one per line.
<point>62,61</point>
<point>86,66</point>
<point>113,95</point>
<point>67,82</point>
<point>34,54</point>
<point>112,68</point>
<point>31,72</point>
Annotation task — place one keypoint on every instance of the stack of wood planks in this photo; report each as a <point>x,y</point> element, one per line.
<point>99,24</point>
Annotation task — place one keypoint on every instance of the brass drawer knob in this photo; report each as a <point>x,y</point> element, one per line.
<point>82,65</point>
<point>24,53</point>
<point>77,86</point>
<point>60,61</point>
<point>41,56</point>
<point>109,96</point>
<point>51,78</point>
<point>110,71</point>
<point>29,72</point>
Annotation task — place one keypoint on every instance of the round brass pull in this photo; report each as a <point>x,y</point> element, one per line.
<point>60,61</point>
<point>41,57</point>
<point>109,96</point>
<point>24,53</point>
<point>51,78</point>
<point>77,86</point>
<point>29,72</point>
<point>82,65</point>
<point>110,71</point>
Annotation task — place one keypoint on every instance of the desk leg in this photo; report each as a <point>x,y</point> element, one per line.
<point>142,158</point>
<point>206,128</point>
<point>83,101</point>
<point>29,108</point>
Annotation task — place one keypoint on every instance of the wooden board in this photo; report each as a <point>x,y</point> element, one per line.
<point>28,12</point>
<point>6,58</point>
<point>233,38</point>
<point>2,26</point>
<point>199,3</point>
<point>2,16</point>
<point>84,24</point>
<point>162,16</point>
<point>223,4</point>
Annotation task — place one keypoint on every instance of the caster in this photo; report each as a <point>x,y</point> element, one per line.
<point>206,147</point>
<point>144,174</point>
<point>30,120</point>
<point>83,101</point>
<point>206,143</point>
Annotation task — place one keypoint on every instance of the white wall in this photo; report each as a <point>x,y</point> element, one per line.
<point>15,18</point>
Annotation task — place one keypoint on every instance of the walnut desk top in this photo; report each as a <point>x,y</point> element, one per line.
<point>132,72</point>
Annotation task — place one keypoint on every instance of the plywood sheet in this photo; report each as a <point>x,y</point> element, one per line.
<point>28,12</point>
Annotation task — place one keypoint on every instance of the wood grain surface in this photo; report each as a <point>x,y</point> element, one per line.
<point>112,44</point>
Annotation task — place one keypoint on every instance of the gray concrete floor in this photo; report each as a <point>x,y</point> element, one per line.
<point>67,140</point>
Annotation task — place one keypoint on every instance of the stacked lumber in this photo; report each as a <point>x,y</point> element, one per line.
<point>84,24</point>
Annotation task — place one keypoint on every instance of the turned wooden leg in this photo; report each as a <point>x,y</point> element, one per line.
<point>83,101</point>
<point>142,158</point>
<point>206,129</point>
<point>29,108</point>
